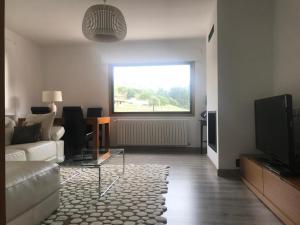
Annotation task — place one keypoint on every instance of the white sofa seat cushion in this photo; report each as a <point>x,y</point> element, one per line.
<point>15,155</point>
<point>8,135</point>
<point>27,184</point>
<point>37,151</point>
<point>57,132</point>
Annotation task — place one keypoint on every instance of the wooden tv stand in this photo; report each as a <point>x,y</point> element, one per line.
<point>280,194</point>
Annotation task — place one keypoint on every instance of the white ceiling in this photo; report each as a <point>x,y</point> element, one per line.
<point>52,21</point>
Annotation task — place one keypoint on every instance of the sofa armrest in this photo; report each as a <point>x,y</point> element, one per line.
<point>57,132</point>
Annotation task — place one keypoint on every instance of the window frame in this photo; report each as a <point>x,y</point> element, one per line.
<point>168,113</point>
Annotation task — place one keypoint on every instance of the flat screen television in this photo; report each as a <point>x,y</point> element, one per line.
<point>274,129</point>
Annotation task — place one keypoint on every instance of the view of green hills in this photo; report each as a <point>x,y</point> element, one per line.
<point>128,99</point>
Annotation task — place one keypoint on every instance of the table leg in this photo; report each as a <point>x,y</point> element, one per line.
<point>96,141</point>
<point>123,161</point>
<point>201,139</point>
<point>107,136</point>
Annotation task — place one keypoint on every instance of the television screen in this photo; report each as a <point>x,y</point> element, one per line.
<point>273,125</point>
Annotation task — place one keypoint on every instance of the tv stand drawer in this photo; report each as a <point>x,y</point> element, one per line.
<point>283,195</point>
<point>253,173</point>
<point>280,194</point>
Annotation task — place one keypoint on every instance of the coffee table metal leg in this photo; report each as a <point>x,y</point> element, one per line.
<point>123,161</point>
<point>99,180</point>
<point>76,173</point>
<point>104,192</point>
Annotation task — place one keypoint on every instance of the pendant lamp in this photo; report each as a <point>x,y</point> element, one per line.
<point>104,23</point>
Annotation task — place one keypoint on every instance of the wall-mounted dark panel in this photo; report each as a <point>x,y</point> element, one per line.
<point>211,33</point>
<point>212,130</point>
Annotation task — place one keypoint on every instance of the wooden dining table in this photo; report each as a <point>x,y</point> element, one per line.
<point>96,123</point>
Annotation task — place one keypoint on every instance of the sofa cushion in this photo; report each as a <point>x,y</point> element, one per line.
<point>9,130</point>
<point>57,132</point>
<point>45,119</point>
<point>38,151</point>
<point>9,122</point>
<point>26,134</point>
<point>15,155</point>
<point>27,184</point>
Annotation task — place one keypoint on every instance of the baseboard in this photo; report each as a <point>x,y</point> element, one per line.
<point>160,149</point>
<point>156,147</point>
<point>229,173</point>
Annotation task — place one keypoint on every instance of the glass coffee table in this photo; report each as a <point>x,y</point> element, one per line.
<point>102,160</point>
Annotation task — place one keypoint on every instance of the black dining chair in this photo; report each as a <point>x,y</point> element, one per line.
<point>40,110</point>
<point>76,136</point>
<point>94,112</point>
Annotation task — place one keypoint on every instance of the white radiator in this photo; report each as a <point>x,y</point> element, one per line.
<point>152,132</point>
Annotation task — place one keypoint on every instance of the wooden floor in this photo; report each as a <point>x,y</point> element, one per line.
<point>198,196</point>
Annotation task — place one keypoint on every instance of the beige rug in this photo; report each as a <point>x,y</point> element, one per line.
<point>135,199</point>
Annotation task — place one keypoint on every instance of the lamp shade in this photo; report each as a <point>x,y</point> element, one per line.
<point>104,23</point>
<point>52,96</point>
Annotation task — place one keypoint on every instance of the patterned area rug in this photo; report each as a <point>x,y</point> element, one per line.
<point>135,199</point>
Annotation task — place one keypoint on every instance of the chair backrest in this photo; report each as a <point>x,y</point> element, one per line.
<point>40,110</point>
<point>94,112</point>
<point>75,129</point>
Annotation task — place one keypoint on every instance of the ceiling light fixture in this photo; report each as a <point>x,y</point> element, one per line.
<point>104,23</point>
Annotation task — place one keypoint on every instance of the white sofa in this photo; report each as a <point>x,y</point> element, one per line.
<point>32,184</point>
<point>32,191</point>
<point>52,150</point>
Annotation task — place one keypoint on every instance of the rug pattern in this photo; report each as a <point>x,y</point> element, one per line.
<point>135,199</point>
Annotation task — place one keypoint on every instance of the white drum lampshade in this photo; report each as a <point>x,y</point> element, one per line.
<point>104,23</point>
<point>52,97</point>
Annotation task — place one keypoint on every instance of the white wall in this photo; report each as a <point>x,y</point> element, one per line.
<point>80,71</point>
<point>287,49</point>
<point>245,73</point>
<point>287,55</point>
<point>23,74</point>
<point>212,78</point>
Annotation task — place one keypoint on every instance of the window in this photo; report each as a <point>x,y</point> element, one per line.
<point>152,89</point>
